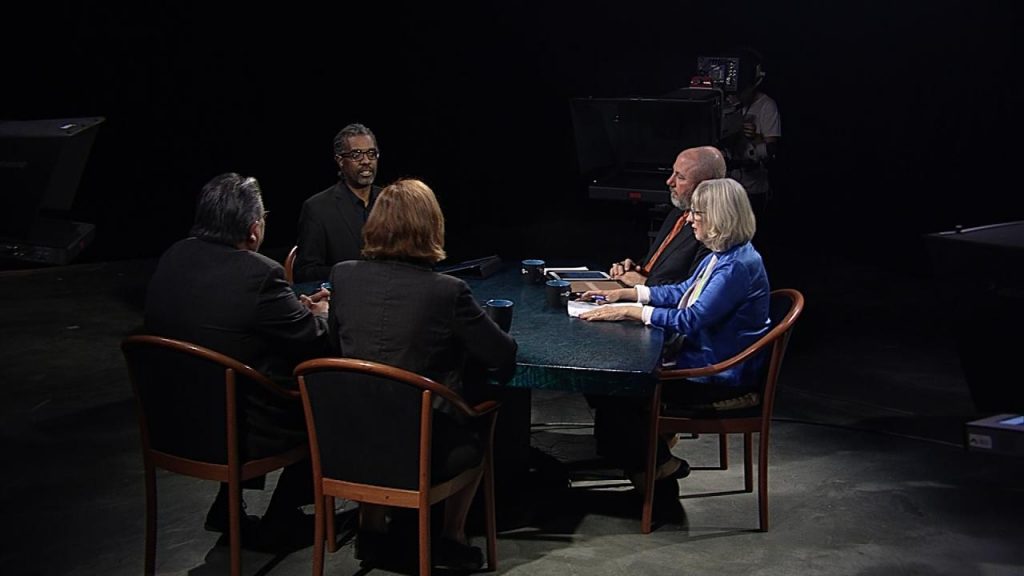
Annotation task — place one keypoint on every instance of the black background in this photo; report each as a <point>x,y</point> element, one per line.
<point>899,118</point>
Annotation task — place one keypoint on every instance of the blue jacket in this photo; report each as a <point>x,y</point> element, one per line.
<point>730,314</point>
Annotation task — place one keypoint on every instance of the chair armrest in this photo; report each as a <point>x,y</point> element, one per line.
<point>229,363</point>
<point>485,408</point>
<point>376,368</point>
<point>256,376</point>
<point>761,344</point>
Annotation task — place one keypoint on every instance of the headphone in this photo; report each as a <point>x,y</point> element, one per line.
<point>751,55</point>
<point>759,74</point>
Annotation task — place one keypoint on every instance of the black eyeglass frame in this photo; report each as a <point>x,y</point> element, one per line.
<point>357,154</point>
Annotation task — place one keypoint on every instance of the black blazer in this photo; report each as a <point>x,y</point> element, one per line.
<point>407,315</point>
<point>236,302</point>
<point>680,259</point>
<point>330,231</point>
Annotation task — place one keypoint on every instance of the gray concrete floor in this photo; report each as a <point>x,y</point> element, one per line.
<point>867,472</point>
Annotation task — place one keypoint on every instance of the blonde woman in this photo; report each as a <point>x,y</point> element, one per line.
<point>716,313</point>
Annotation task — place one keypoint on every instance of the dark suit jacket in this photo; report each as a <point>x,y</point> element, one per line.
<point>409,316</point>
<point>330,231</point>
<point>680,258</point>
<point>238,303</point>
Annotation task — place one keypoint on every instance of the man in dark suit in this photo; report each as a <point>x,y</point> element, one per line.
<point>675,253</point>
<point>331,221</point>
<point>213,289</point>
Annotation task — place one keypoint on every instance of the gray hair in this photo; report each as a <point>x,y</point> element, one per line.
<point>727,216</point>
<point>228,205</point>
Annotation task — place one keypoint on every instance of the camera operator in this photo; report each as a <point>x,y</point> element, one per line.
<point>749,154</point>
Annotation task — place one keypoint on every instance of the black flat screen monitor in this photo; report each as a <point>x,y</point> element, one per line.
<point>629,144</point>
<point>41,163</point>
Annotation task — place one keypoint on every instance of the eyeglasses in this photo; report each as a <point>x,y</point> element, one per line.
<point>696,214</point>
<point>357,154</point>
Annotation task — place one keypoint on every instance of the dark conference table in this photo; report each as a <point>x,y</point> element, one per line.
<point>558,352</point>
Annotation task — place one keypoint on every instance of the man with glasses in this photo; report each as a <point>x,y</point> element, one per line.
<point>331,221</point>
<point>675,252</point>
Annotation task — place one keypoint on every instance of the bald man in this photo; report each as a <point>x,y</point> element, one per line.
<point>675,252</point>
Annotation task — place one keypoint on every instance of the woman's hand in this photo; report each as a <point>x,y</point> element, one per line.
<point>609,296</point>
<point>614,314</point>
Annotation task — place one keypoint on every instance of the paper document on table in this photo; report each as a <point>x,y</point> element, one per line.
<point>577,268</point>
<point>577,307</point>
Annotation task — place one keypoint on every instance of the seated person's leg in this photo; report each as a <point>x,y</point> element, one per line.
<point>271,425</point>
<point>455,449</point>
<point>620,430</point>
<point>218,516</point>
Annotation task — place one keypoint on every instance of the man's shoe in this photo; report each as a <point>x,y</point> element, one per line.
<point>682,470</point>
<point>666,506</point>
<point>371,546</point>
<point>286,532</point>
<point>451,555</point>
<point>386,550</point>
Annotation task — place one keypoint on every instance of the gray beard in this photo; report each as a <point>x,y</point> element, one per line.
<point>679,203</point>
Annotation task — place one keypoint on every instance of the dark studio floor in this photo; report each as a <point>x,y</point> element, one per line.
<point>868,472</point>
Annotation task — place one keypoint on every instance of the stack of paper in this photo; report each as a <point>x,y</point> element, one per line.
<point>577,307</point>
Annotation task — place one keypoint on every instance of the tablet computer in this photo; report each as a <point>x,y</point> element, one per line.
<point>581,286</point>
<point>571,275</point>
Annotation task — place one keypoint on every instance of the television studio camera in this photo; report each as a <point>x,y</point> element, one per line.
<point>625,146</point>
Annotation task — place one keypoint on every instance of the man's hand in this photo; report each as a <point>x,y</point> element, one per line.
<point>632,278</point>
<point>620,268</point>
<point>628,272</point>
<point>318,303</point>
<point>750,131</point>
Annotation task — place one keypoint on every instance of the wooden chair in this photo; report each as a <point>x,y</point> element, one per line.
<point>188,419</point>
<point>370,441</point>
<point>786,307</point>
<point>289,265</point>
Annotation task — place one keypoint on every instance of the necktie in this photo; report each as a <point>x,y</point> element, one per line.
<point>675,230</point>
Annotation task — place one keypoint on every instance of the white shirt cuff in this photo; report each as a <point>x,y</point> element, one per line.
<point>643,294</point>
<point>646,312</point>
